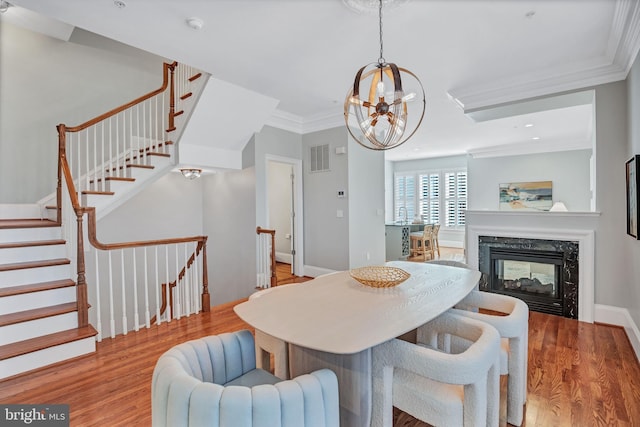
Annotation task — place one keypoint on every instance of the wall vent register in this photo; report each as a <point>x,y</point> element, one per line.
<point>319,158</point>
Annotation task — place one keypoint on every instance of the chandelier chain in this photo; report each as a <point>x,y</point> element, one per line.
<point>381,60</point>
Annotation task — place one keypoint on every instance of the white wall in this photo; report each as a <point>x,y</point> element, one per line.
<point>45,82</point>
<point>568,170</point>
<point>631,246</point>
<point>326,242</point>
<point>229,216</point>
<point>366,206</point>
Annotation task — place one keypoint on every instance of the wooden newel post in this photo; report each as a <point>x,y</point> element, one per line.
<point>172,97</point>
<point>206,298</point>
<point>81,285</point>
<point>274,277</point>
<point>62,143</point>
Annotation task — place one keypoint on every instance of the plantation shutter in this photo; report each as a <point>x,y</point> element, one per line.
<point>455,198</point>
<point>405,197</point>
<point>430,197</point>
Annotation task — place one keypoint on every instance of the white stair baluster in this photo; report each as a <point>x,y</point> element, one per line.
<point>167,286</point>
<point>136,316</point>
<point>147,319</point>
<point>98,304</point>
<point>124,294</point>
<point>111,315</point>
<point>158,289</point>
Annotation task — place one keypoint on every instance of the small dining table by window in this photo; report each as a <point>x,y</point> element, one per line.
<point>333,321</point>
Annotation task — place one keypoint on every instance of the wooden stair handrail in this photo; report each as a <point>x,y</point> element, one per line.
<point>260,230</point>
<point>64,175</point>
<point>167,70</point>
<point>173,284</point>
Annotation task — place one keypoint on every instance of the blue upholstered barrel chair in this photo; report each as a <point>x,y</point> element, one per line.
<point>213,381</point>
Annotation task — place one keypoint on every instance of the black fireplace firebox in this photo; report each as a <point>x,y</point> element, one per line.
<point>533,276</point>
<point>543,273</point>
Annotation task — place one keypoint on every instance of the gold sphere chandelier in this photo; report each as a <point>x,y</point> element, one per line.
<point>376,110</point>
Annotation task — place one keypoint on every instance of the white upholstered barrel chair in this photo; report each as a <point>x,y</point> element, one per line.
<point>213,381</point>
<point>512,322</point>
<point>437,387</point>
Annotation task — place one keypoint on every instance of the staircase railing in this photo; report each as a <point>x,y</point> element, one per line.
<point>266,257</point>
<point>93,155</point>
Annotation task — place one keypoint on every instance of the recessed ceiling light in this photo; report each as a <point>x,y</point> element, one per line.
<point>535,138</point>
<point>119,4</point>
<point>529,125</point>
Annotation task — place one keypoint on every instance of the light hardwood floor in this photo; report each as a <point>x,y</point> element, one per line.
<point>579,374</point>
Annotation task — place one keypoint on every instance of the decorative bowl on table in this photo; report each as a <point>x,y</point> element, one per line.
<point>379,276</point>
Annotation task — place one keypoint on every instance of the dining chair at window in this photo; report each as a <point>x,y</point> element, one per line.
<point>436,387</point>
<point>436,242</point>
<point>512,322</point>
<point>422,242</point>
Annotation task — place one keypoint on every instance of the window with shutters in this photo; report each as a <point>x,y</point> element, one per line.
<point>438,196</point>
<point>404,197</point>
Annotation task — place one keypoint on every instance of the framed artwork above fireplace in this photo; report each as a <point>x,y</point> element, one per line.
<point>633,183</point>
<point>526,196</point>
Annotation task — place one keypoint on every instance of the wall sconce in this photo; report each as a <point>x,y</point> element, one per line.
<point>191,173</point>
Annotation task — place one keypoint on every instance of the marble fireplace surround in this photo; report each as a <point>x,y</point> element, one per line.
<point>544,226</point>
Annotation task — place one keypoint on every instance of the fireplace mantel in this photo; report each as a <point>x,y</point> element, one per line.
<point>569,226</point>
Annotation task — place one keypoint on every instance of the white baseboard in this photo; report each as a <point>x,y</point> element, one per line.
<point>451,244</point>
<point>312,271</point>
<point>620,317</point>
<point>284,257</point>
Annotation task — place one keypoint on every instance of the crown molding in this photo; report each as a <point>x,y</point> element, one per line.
<point>286,121</point>
<point>530,148</point>
<point>622,48</point>
<point>303,125</point>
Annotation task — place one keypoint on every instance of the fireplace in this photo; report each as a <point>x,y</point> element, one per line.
<point>543,273</point>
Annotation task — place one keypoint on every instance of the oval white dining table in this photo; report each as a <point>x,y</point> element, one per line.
<point>333,321</point>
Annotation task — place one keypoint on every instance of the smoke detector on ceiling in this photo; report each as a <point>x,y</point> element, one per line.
<point>195,23</point>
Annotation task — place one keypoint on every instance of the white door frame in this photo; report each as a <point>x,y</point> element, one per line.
<point>298,222</point>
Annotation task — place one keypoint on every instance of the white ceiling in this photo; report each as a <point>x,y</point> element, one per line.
<point>467,53</point>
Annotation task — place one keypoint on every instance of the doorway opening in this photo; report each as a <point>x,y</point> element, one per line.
<point>284,210</point>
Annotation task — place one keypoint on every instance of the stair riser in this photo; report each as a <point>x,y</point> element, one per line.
<point>158,161</point>
<point>48,356</point>
<point>37,328</point>
<point>29,234</point>
<point>18,211</point>
<point>32,253</point>
<point>34,275</point>
<point>96,200</point>
<point>23,302</point>
<point>139,174</point>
